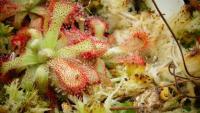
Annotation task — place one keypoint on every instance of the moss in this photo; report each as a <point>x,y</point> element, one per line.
<point>23,101</point>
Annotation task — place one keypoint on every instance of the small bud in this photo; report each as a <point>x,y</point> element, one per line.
<point>34,44</point>
<point>41,75</point>
<point>46,53</point>
<point>35,34</point>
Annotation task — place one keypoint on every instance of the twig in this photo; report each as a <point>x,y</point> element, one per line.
<point>176,40</point>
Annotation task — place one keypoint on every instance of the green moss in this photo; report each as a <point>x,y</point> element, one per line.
<point>23,101</point>
<point>5,33</point>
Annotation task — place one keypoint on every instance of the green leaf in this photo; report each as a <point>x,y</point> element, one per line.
<point>28,79</point>
<point>59,14</point>
<point>10,65</point>
<point>29,58</point>
<point>41,77</point>
<point>75,50</point>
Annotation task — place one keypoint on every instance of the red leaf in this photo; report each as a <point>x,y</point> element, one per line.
<point>71,79</point>
<point>75,36</point>
<point>89,55</point>
<point>52,4</point>
<point>93,21</point>
<point>91,74</point>
<point>101,48</point>
<point>142,36</point>
<point>138,41</point>
<point>20,40</point>
<point>76,13</point>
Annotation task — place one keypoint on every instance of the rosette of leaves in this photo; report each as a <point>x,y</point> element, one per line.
<point>5,32</point>
<point>30,8</point>
<point>44,56</point>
